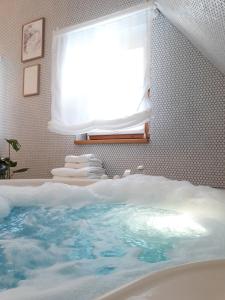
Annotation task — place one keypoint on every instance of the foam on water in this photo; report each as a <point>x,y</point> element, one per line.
<point>67,242</point>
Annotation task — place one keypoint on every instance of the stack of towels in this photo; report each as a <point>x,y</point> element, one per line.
<point>83,166</point>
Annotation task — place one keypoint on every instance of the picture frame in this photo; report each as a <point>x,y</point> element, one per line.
<point>33,36</point>
<point>31,80</point>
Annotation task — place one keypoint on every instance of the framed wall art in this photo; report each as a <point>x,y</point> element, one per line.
<point>31,80</point>
<point>33,40</point>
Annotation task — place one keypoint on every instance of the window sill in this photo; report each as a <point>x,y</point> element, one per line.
<point>118,138</point>
<point>113,141</point>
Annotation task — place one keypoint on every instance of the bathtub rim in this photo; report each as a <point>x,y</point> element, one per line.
<point>154,278</point>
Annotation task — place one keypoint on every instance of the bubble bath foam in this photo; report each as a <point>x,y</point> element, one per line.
<point>68,242</point>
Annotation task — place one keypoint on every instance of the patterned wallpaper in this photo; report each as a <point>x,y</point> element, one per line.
<point>202,22</point>
<point>187,130</point>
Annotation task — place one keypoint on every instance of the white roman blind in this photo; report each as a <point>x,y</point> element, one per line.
<point>101,74</point>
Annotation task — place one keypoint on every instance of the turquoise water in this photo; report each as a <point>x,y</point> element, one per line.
<point>38,237</point>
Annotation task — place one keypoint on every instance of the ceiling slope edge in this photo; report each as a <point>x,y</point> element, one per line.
<point>202,22</point>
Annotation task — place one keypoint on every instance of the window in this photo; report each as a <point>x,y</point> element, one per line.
<point>101,75</point>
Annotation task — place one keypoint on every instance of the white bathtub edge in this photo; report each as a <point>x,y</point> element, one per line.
<point>152,280</point>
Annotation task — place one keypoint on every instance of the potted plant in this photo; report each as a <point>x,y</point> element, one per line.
<point>6,164</point>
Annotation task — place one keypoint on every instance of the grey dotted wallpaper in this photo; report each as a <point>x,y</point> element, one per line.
<point>202,21</point>
<point>188,97</point>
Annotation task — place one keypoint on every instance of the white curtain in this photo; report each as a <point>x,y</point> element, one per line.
<point>101,74</point>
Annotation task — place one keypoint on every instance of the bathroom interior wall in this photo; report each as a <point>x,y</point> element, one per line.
<point>202,22</point>
<point>187,129</point>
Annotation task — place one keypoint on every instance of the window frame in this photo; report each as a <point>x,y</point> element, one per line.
<point>117,138</point>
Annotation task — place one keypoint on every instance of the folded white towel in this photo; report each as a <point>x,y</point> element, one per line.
<point>90,172</point>
<point>58,178</point>
<point>96,163</point>
<point>80,159</point>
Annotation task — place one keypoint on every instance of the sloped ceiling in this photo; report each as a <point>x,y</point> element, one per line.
<point>202,22</point>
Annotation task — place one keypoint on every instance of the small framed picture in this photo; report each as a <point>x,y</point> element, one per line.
<point>33,40</point>
<point>31,80</point>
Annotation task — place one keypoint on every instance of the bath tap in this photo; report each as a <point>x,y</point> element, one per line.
<point>140,169</point>
<point>126,173</point>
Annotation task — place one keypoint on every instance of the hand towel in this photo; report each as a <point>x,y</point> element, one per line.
<point>58,178</point>
<point>96,163</point>
<point>80,159</point>
<point>84,172</point>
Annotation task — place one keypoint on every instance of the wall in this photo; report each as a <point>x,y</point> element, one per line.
<point>202,22</point>
<point>187,131</point>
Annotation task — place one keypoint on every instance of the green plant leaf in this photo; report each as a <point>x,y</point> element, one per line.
<point>9,162</point>
<point>13,164</point>
<point>6,160</point>
<point>20,170</point>
<point>2,159</point>
<point>14,143</point>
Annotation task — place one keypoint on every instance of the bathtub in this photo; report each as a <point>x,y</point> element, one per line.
<point>197,281</point>
<point>183,279</point>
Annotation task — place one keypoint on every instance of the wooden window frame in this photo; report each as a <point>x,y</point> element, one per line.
<point>117,138</point>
